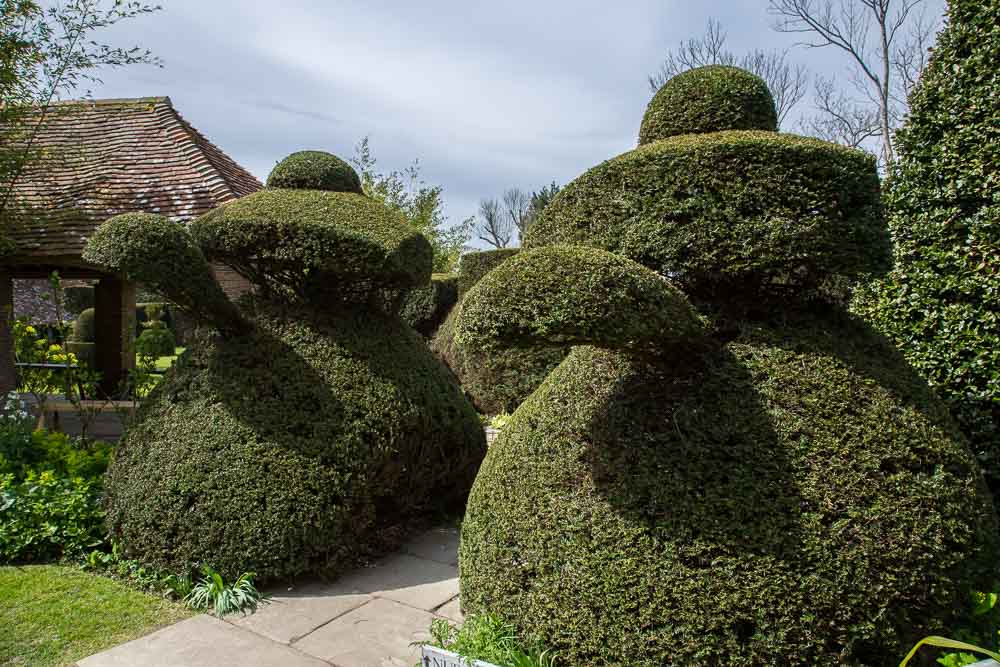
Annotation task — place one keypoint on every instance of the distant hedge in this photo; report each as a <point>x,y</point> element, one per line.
<point>729,212</point>
<point>425,308</point>
<point>941,303</point>
<point>709,99</point>
<point>84,326</point>
<point>474,265</point>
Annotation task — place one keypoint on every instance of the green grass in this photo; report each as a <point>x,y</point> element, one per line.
<point>55,615</point>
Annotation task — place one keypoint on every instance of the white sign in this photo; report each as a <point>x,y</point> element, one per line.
<point>436,657</point>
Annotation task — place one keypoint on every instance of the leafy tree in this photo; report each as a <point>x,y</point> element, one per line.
<point>941,303</point>
<point>540,199</point>
<point>47,54</point>
<point>421,204</point>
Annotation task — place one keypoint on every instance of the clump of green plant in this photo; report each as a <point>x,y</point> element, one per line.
<point>499,421</point>
<point>212,592</point>
<point>156,339</point>
<point>489,638</point>
<point>980,637</point>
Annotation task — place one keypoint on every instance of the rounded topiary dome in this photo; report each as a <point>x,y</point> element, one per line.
<point>795,497</point>
<point>709,99</point>
<point>314,170</point>
<point>290,449</point>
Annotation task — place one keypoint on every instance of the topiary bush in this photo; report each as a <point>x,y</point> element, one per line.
<point>766,482</point>
<point>166,315</point>
<point>293,436</point>
<point>84,326</point>
<point>496,381</point>
<point>709,99</point>
<point>941,303</point>
<point>474,265</point>
<point>315,170</point>
<point>425,308</point>
<point>729,211</point>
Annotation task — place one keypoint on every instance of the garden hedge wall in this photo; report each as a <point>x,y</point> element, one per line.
<point>474,265</point>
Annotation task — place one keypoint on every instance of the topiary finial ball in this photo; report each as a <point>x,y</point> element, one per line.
<point>314,170</point>
<point>709,99</point>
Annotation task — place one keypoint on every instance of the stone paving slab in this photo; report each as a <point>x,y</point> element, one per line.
<point>380,633</point>
<point>416,582</point>
<point>295,613</point>
<point>202,641</point>
<point>439,545</point>
<point>452,611</point>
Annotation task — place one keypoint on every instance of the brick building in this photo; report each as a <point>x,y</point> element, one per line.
<point>97,159</point>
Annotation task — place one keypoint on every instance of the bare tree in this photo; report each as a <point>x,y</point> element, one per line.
<point>884,40</point>
<point>494,226</point>
<point>517,206</point>
<point>841,119</point>
<point>788,82</point>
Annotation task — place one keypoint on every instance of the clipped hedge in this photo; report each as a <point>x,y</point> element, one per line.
<point>156,343</point>
<point>797,497</point>
<point>151,249</point>
<point>498,380</point>
<point>474,265</point>
<point>709,99</point>
<point>314,246</point>
<point>315,170</point>
<point>574,295</point>
<point>292,448</point>
<point>729,213</point>
<point>425,308</point>
<point>941,303</point>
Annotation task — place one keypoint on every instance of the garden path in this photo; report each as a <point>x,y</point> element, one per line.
<point>368,618</point>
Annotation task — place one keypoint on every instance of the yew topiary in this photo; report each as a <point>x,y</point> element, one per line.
<point>297,434</point>
<point>941,303</point>
<point>763,482</point>
<point>315,170</point>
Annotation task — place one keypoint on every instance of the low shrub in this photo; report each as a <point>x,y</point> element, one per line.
<point>709,99</point>
<point>425,308</point>
<point>156,343</point>
<point>489,638</point>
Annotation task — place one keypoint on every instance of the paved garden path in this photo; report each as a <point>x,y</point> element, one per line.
<point>369,618</point>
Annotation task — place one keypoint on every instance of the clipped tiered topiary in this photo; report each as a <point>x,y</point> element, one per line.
<point>496,380</point>
<point>734,472</point>
<point>307,423</point>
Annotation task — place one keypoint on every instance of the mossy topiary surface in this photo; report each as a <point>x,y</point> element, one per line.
<point>287,450</point>
<point>474,265</point>
<point>729,211</point>
<point>795,497</point>
<point>709,99</point>
<point>425,308</point>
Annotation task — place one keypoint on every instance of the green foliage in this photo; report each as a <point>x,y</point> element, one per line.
<point>941,303</point>
<point>315,247</point>
<point>475,265</point>
<point>421,205</point>
<point>729,213</point>
<point>980,636</point>
<point>212,592</point>
<point>499,380</point>
<point>84,326</point>
<point>314,170</point>
<point>425,308</point>
<point>291,449</point>
<point>151,249</point>
<point>48,517</point>
<point>142,317</point>
<point>156,343</point>
<point>797,496</point>
<point>573,295</point>
<point>85,353</point>
<point>709,99</point>
<point>488,638</point>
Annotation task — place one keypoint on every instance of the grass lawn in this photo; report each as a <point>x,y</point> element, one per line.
<point>56,615</point>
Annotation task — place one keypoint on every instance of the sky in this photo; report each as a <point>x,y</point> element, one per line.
<point>487,95</point>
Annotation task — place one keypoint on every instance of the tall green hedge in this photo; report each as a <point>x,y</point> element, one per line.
<point>941,303</point>
<point>425,308</point>
<point>474,265</point>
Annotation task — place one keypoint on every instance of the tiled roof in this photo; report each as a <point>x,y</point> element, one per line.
<point>106,157</point>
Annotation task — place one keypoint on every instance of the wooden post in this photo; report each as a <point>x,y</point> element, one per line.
<point>8,372</point>
<point>114,332</point>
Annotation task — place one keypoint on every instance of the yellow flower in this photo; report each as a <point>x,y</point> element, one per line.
<point>30,330</point>
<point>54,348</point>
